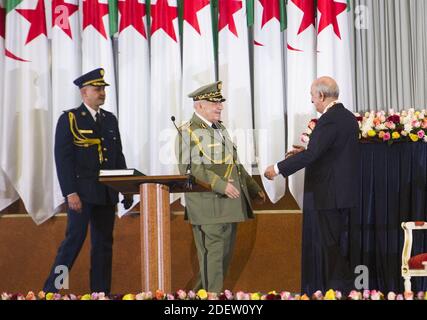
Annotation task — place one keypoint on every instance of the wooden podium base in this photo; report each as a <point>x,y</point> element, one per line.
<point>155,237</point>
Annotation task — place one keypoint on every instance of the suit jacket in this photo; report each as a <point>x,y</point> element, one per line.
<point>332,161</point>
<point>214,160</point>
<point>78,164</point>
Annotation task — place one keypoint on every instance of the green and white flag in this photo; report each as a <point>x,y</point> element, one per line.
<point>269,93</point>
<point>301,71</point>
<point>165,80</point>
<point>198,64</point>
<point>233,62</point>
<point>333,46</point>
<point>26,138</point>
<point>134,83</point>
<point>134,86</point>
<point>7,194</point>
<point>66,65</point>
<point>97,46</point>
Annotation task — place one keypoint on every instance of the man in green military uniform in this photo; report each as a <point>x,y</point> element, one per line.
<point>206,151</point>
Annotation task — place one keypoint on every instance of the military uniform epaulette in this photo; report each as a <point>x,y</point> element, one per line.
<point>185,126</point>
<point>70,110</point>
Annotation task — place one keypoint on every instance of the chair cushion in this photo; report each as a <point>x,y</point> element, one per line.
<point>416,262</point>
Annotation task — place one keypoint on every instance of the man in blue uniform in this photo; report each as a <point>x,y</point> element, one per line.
<point>87,139</point>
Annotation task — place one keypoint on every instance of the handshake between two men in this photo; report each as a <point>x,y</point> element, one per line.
<point>272,171</point>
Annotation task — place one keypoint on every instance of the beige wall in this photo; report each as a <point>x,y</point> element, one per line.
<point>267,254</point>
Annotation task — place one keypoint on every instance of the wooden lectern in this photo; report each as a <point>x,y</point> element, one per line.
<point>155,221</point>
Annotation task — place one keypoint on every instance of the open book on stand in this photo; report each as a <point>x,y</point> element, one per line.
<point>120,172</point>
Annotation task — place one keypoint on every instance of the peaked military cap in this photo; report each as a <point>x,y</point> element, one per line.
<point>92,78</point>
<point>210,92</point>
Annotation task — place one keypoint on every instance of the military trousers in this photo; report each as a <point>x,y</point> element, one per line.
<point>101,220</point>
<point>214,244</point>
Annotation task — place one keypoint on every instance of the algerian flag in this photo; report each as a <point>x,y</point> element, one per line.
<point>134,83</point>
<point>301,71</point>
<point>233,61</point>
<point>7,194</point>
<point>26,138</point>
<point>165,80</point>
<point>134,86</point>
<point>198,67</point>
<point>97,47</point>
<point>333,46</point>
<point>268,93</point>
<point>66,65</point>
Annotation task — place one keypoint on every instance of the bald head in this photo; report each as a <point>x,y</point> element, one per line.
<point>324,90</point>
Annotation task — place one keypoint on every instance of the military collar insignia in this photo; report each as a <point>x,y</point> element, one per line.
<point>83,113</point>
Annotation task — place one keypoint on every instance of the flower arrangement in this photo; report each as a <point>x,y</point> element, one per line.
<point>410,125</point>
<point>226,295</point>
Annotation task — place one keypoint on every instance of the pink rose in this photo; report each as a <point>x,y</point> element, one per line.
<point>416,124</point>
<point>285,295</point>
<point>228,294</point>
<point>311,124</point>
<point>420,295</point>
<point>421,134</point>
<point>386,136</point>
<point>366,294</point>
<point>305,138</point>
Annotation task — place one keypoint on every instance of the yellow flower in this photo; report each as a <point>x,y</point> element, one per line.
<point>395,135</point>
<point>129,296</point>
<point>49,296</point>
<point>273,292</point>
<point>255,296</point>
<point>202,294</point>
<point>304,297</point>
<point>381,134</point>
<point>85,297</point>
<point>372,133</point>
<point>330,295</point>
<point>413,137</point>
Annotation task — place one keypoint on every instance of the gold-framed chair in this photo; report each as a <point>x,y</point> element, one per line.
<point>415,266</point>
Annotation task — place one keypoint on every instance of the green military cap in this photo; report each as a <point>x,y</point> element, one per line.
<point>210,92</point>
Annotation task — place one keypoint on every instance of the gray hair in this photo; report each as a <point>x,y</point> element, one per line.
<point>328,87</point>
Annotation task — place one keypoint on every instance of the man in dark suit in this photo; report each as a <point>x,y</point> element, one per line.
<point>332,160</point>
<point>87,139</point>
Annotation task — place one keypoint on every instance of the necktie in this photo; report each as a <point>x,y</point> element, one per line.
<point>98,120</point>
<point>215,127</point>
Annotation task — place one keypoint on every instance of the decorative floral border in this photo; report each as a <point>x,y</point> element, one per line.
<point>226,295</point>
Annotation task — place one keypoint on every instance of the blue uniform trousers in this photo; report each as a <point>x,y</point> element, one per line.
<point>101,221</point>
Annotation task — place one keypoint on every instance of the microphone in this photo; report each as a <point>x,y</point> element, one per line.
<point>189,184</point>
